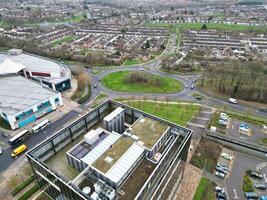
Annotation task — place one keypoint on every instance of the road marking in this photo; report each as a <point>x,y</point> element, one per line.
<point>265,178</point>
<point>235,197</point>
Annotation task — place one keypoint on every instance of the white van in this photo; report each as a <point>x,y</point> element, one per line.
<point>232,100</point>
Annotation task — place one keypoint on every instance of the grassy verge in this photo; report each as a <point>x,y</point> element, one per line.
<point>84,86</point>
<point>154,84</point>
<point>29,193</point>
<point>263,141</point>
<point>247,118</point>
<point>22,185</point>
<point>4,124</point>
<point>204,190</point>
<point>206,155</point>
<point>178,114</point>
<point>247,184</point>
<point>131,62</point>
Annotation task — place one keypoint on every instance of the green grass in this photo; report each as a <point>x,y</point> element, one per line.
<point>61,41</point>
<point>116,81</point>
<point>131,62</point>
<point>4,124</point>
<point>204,190</point>
<point>263,141</point>
<point>195,94</point>
<point>178,114</point>
<point>29,193</point>
<point>247,118</point>
<point>22,185</point>
<point>247,184</point>
<point>198,26</point>
<point>101,96</point>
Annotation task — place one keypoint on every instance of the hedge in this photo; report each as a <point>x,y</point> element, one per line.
<point>29,193</point>
<point>22,185</point>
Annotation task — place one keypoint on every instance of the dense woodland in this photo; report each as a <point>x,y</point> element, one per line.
<point>242,80</point>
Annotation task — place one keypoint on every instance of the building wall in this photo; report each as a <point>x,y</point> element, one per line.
<point>33,113</point>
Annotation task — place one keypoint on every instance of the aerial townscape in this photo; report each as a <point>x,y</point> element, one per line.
<point>133,99</point>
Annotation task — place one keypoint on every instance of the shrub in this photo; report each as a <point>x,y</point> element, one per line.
<point>247,184</point>
<point>29,193</point>
<point>22,186</point>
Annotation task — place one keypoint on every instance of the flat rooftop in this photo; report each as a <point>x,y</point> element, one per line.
<point>18,93</point>
<point>148,130</point>
<point>114,153</point>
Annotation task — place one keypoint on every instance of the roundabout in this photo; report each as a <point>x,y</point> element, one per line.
<point>141,82</point>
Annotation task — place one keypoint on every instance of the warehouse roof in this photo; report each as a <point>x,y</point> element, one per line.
<point>18,93</point>
<point>10,67</point>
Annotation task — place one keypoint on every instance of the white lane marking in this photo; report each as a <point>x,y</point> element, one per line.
<point>235,197</point>
<point>265,178</point>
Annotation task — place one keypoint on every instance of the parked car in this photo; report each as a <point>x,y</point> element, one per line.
<point>223,122</point>
<point>219,174</point>
<point>224,118</point>
<point>226,156</point>
<point>243,124</point>
<point>255,174</point>
<point>232,100</point>
<point>192,87</point>
<point>194,80</point>
<point>218,189</point>
<point>251,195</point>
<point>220,195</point>
<point>222,166</point>
<point>263,197</point>
<point>1,149</point>
<point>186,86</point>
<point>219,169</point>
<point>260,186</point>
<point>263,110</point>
<point>95,86</point>
<point>6,135</point>
<point>223,115</point>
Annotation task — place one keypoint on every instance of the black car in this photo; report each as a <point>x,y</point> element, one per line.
<point>198,97</point>
<point>263,110</point>
<point>255,174</point>
<point>220,195</point>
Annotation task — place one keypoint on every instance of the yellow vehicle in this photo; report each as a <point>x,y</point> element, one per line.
<point>19,150</point>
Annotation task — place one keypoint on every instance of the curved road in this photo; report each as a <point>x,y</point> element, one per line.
<point>185,94</point>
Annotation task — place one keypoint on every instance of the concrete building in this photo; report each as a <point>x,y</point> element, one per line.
<point>84,161</point>
<point>50,73</point>
<point>115,121</point>
<point>22,101</point>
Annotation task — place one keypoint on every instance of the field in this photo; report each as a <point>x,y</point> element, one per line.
<point>178,114</point>
<point>198,26</point>
<point>205,190</point>
<point>145,83</point>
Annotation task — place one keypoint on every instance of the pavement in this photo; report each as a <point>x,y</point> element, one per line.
<point>242,163</point>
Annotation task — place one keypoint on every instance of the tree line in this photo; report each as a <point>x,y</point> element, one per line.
<point>242,80</point>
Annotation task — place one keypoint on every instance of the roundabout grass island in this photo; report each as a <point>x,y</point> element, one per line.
<point>141,82</point>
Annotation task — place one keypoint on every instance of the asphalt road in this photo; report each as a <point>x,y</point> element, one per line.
<point>242,163</point>
<point>6,160</point>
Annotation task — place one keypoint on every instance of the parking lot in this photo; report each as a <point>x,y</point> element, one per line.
<point>241,164</point>
<point>241,129</point>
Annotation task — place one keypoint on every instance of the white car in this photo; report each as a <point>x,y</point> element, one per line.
<point>219,174</point>
<point>243,129</point>
<point>232,100</point>
<point>224,118</point>
<point>223,122</point>
<point>226,156</point>
<point>223,115</point>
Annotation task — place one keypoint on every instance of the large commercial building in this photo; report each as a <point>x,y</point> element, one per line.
<point>48,72</point>
<point>85,161</point>
<point>22,101</point>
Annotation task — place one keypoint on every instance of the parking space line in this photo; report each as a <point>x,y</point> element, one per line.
<point>235,197</point>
